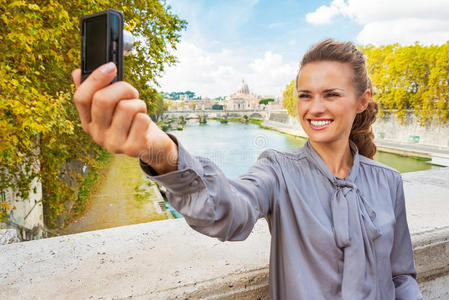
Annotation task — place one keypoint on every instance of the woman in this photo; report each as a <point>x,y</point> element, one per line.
<point>337,218</point>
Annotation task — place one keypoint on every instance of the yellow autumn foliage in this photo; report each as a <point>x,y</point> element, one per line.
<point>40,45</point>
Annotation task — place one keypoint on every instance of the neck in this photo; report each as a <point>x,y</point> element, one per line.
<point>336,155</point>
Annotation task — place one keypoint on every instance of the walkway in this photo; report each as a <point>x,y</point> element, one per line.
<point>430,150</point>
<point>124,197</point>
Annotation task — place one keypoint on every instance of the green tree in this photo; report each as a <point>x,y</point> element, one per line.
<point>40,46</point>
<point>266,100</point>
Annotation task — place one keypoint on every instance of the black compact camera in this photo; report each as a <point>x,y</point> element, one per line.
<point>103,40</point>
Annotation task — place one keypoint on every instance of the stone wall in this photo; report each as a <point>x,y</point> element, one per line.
<point>26,216</point>
<point>433,134</point>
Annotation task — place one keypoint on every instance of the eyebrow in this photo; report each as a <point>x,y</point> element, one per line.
<point>332,90</point>
<point>325,91</point>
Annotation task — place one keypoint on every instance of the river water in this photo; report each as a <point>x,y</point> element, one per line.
<point>234,147</point>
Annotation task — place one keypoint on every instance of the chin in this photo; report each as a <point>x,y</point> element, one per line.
<point>322,137</point>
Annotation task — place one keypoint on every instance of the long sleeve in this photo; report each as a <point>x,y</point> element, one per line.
<point>402,264</point>
<point>213,204</point>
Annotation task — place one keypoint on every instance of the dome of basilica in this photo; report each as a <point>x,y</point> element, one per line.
<point>244,88</point>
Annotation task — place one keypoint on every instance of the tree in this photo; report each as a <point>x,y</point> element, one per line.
<point>40,46</point>
<point>411,78</point>
<point>290,99</point>
<point>266,100</point>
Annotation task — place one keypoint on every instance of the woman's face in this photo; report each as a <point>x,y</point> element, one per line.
<point>327,101</point>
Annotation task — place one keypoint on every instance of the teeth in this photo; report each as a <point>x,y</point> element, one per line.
<point>320,123</point>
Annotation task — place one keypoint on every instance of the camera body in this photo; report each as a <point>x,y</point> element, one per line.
<point>102,42</point>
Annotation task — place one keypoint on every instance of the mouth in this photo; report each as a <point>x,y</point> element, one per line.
<point>319,124</point>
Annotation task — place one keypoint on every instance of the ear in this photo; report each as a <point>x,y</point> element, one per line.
<point>364,101</point>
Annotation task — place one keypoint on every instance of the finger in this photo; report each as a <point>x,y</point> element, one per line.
<point>100,78</point>
<point>76,75</point>
<point>124,114</point>
<point>104,102</point>
<point>136,143</point>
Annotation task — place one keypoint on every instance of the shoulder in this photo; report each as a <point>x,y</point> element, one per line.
<point>378,167</point>
<point>283,156</point>
<point>367,162</point>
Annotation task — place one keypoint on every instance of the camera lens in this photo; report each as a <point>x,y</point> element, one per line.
<point>128,41</point>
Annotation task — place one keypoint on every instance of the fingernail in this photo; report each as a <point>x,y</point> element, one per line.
<point>108,68</point>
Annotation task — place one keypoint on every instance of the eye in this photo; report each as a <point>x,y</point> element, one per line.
<point>333,95</point>
<point>304,96</point>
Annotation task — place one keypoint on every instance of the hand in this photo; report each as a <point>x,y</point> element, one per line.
<point>117,120</point>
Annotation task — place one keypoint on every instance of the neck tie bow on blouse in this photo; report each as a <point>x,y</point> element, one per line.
<point>354,230</point>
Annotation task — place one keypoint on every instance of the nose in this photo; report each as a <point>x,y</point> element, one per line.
<point>317,106</point>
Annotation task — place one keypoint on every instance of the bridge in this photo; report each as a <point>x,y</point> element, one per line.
<point>213,113</point>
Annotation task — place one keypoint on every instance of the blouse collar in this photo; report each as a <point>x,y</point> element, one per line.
<point>319,162</point>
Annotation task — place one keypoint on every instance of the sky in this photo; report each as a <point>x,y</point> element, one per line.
<point>262,41</point>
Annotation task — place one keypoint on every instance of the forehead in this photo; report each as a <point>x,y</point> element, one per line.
<point>323,75</point>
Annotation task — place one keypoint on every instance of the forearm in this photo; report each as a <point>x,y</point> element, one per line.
<point>213,204</point>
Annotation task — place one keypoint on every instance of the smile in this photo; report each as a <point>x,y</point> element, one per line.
<point>320,124</point>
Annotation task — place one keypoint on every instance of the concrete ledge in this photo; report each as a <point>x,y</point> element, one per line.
<point>158,260</point>
<point>427,194</point>
<point>168,260</point>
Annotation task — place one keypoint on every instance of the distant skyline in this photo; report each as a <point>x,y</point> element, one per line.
<point>263,41</point>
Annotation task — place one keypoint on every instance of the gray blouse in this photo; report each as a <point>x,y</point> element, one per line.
<point>331,238</point>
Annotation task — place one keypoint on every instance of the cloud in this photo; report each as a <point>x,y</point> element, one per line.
<point>386,21</point>
<point>324,14</point>
<point>219,73</point>
<point>405,31</point>
<point>270,73</point>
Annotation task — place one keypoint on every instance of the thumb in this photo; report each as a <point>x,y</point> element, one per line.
<point>76,76</point>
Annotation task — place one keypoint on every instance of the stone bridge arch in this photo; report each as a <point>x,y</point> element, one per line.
<point>256,115</point>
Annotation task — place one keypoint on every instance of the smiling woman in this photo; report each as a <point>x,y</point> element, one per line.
<point>336,217</point>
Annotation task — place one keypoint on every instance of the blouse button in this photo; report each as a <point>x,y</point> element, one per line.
<point>195,182</point>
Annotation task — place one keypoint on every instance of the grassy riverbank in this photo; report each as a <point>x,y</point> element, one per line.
<point>121,196</point>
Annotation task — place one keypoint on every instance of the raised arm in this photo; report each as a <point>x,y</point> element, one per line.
<point>402,264</point>
<point>213,204</point>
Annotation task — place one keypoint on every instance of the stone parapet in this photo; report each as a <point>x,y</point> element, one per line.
<point>168,260</point>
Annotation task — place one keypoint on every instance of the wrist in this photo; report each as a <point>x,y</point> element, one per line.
<point>163,158</point>
<point>169,161</point>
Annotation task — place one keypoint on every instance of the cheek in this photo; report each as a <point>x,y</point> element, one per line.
<point>301,108</point>
<point>345,111</point>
